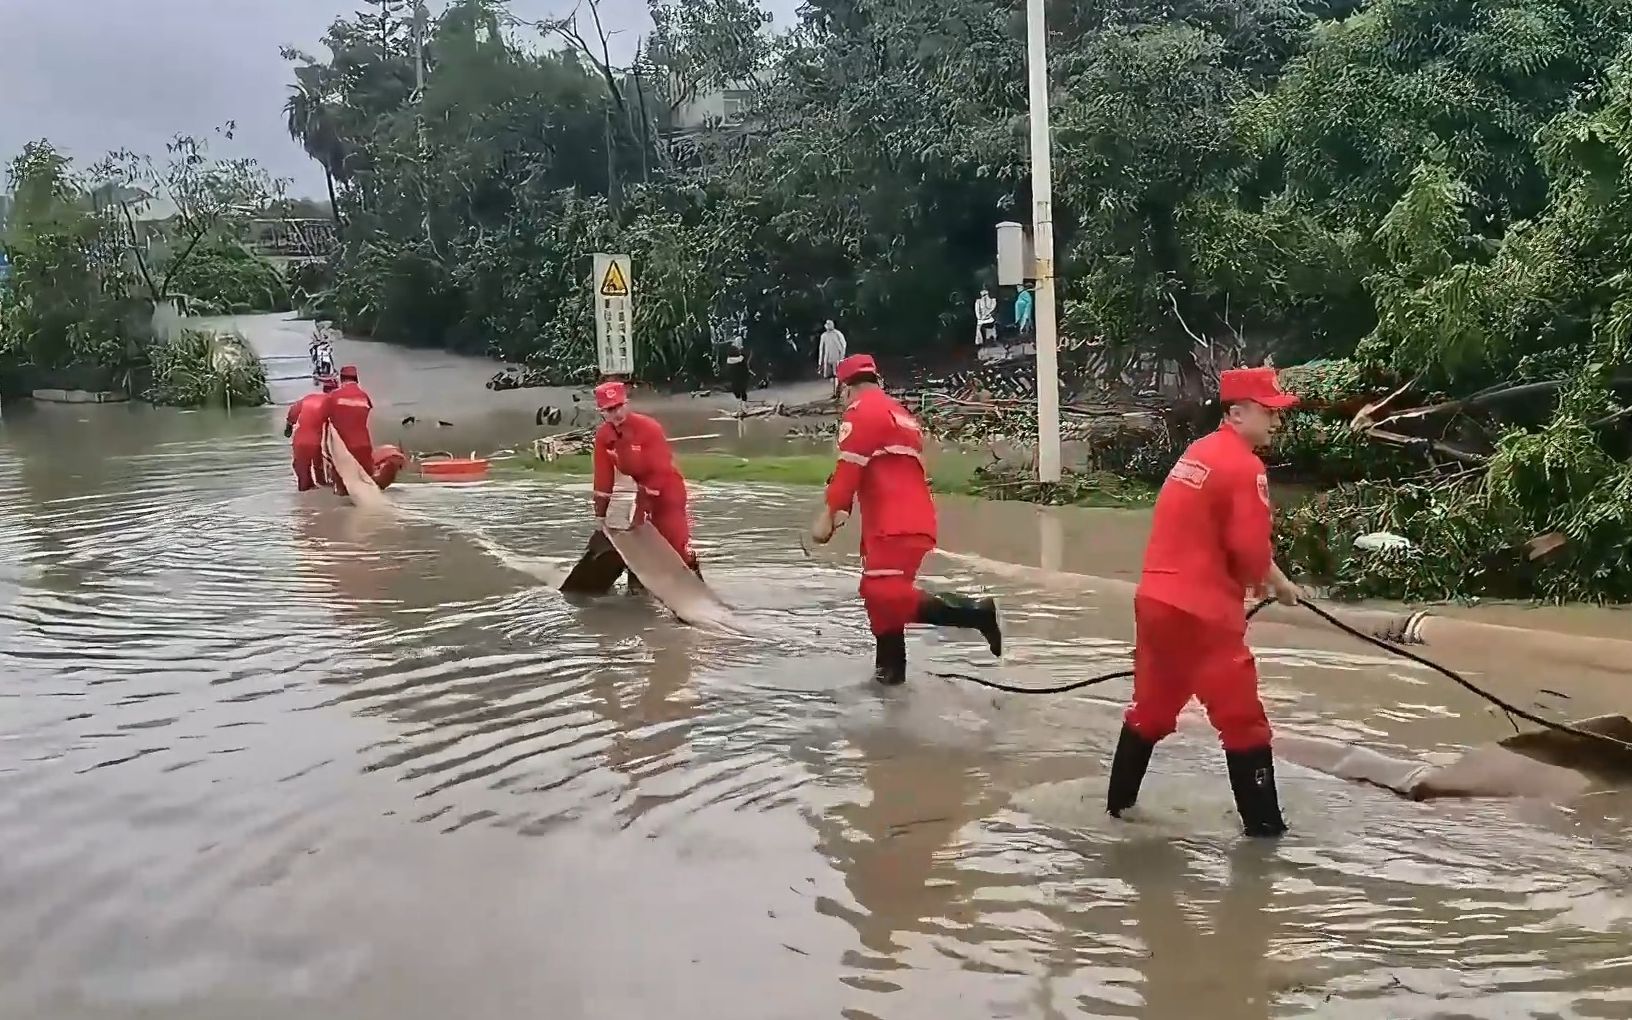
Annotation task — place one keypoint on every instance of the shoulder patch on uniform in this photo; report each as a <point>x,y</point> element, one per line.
<point>1263,488</point>
<point>1190,472</point>
<point>845,428</point>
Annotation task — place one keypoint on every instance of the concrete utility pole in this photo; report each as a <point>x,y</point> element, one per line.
<point>1042,225</point>
<point>421,16</point>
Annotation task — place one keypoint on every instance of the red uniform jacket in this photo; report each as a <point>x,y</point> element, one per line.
<point>347,410</point>
<point>1210,535</point>
<point>639,449</point>
<point>881,461</point>
<point>306,418</point>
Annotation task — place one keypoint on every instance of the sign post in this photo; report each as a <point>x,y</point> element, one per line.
<point>614,315</point>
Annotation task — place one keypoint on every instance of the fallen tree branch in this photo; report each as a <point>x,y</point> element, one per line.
<point>1492,396</point>
<point>1204,345</point>
<point>1427,445</point>
<point>1363,418</point>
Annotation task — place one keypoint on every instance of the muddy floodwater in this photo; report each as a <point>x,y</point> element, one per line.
<point>262,758</point>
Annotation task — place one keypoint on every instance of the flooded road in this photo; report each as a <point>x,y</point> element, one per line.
<point>435,386</point>
<point>260,758</point>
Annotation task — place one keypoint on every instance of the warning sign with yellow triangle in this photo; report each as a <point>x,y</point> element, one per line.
<point>613,283</point>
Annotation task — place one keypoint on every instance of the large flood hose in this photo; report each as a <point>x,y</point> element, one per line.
<point>1511,709</point>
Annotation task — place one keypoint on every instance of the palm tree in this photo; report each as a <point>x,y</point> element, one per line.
<point>311,122</point>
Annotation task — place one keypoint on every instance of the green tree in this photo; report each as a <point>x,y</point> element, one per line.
<point>1313,177</point>
<point>311,115</point>
<point>389,25</point>
<point>203,195</point>
<point>67,280</point>
<point>1409,135</point>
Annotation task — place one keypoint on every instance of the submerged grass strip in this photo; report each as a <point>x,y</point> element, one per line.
<point>950,474</point>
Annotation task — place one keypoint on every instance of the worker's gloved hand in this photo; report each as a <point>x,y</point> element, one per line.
<point>288,430</point>
<point>1285,592</point>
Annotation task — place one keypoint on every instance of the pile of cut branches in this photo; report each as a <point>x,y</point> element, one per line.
<point>1517,491</point>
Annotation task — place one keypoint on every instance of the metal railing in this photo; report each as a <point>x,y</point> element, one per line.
<point>290,238</point>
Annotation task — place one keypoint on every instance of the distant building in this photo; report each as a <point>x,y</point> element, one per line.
<point>719,109</point>
<point>145,208</point>
<point>699,129</point>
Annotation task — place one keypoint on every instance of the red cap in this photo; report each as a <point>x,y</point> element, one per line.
<point>1258,385</point>
<point>330,384</point>
<point>610,394</point>
<point>855,365</point>
<point>348,372</point>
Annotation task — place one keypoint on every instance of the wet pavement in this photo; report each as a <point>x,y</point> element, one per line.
<point>263,758</point>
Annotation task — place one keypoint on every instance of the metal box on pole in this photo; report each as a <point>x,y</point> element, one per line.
<point>1014,258</point>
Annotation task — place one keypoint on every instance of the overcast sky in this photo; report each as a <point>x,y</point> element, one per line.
<point>94,75</point>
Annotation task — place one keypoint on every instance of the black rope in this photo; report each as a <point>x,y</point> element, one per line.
<point>1387,646</point>
<point>1075,685</point>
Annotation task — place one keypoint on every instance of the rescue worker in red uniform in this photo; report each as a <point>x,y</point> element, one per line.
<point>635,445</point>
<point>881,464</point>
<point>347,409</point>
<point>1209,549</point>
<point>303,426</point>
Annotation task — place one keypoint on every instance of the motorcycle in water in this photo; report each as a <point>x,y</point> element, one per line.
<point>322,362</point>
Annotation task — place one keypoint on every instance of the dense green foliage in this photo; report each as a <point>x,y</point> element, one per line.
<point>88,269</point>
<point>206,199</point>
<point>202,368</point>
<point>223,277</point>
<point>1427,191</point>
<point>64,308</point>
<point>1438,184</point>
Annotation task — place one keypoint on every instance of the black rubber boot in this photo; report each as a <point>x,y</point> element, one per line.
<point>1252,778</point>
<point>890,661</point>
<point>969,614</point>
<point>1127,771</point>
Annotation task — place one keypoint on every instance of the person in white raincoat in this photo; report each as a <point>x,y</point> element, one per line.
<point>831,350</point>
<point>985,317</point>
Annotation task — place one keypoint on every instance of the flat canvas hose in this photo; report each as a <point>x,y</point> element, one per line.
<point>1408,632</point>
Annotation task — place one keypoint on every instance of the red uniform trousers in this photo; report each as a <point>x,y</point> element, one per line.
<point>364,455</point>
<point>889,580</point>
<point>309,467</point>
<point>1177,654</point>
<point>669,516</point>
